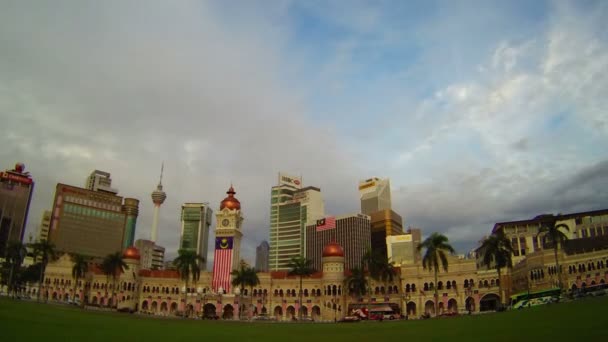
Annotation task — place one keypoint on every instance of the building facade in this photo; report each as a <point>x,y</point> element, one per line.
<point>152,255</point>
<point>402,249</point>
<point>196,221</point>
<point>86,222</point>
<point>384,223</point>
<point>16,188</point>
<point>353,232</point>
<point>261,256</point>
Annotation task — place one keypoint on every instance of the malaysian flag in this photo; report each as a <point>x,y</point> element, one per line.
<point>326,223</point>
<point>222,263</point>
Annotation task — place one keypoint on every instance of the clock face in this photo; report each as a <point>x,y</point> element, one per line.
<point>225,222</point>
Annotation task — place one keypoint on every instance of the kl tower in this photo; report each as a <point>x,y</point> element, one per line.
<point>158,197</point>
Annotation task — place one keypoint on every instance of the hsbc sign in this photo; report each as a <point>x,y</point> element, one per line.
<point>285,179</point>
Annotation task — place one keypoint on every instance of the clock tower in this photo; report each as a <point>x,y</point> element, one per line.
<point>228,236</point>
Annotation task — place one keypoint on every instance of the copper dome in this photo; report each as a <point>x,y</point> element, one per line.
<point>333,249</point>
<point>131,253</point>
<point>230,202</point>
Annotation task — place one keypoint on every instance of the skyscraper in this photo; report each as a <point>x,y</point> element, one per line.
<point>352,232</point>
<point>227,254</point>
<point>158,198</point>
<point>100,181</point>
<point>86,222</point>
<point>16,188</point>
<point>196,221</point>
<point>376,202</point>
<point>152,256</point>
<point>375,195</point>
<point>45,225</point>
<point>261,256</point>
<point>291,207</point>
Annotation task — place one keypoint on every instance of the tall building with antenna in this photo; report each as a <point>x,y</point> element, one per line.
<point>158,198</point>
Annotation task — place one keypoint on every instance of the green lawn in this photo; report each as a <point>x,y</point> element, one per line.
<point>576,321</point>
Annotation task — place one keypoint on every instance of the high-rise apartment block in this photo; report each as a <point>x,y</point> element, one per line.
<point>87,222</point>
<point>100,181</point>
<point>16,188</point>
<point>261,256</point>
<point>45,225</point>
<point>291,208</point>
<point>196,222</point>
<point>152,255</point>
<point>352,232</point>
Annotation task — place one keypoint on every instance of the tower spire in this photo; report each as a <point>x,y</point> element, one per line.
<point>162,168</point>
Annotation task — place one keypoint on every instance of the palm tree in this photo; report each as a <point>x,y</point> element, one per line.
<point>45,252</point>
<point>356,282</point>
<point>79,270</point>
<point>245,276</point>
<point>497,251</point>
<point>436,246</point>
<point>15,253</point>
<point>112,266</point>
<point>188,266</point>
<point>556,237</point>
<point>380,268</point>
<point>301,267</point>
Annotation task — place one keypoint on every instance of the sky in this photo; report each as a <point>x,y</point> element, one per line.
<point>478,111</point>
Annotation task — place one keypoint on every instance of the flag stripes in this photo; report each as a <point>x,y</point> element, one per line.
<point>222,266</point>
<point>326,223</point>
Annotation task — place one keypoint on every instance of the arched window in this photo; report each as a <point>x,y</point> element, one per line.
<point>466,283</point>
<point>413,287</point>
<point>305,292</point>
<point>485,283</point>
<point>276,292</point>
<point>497,282</point>
<point>426,286</point>
<point>431,285</point>
<point>395,289</point>
<point>281,292</point>
<point>318,292</point>
<point>492,282</point>
<point>440,285</point>
<point>407,288</point>
<point>448,285</point>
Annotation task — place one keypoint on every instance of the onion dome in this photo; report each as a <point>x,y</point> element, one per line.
<point>333,249</point>
<point>131,253</point>
<point>230,202</point>
<point>19,167</point>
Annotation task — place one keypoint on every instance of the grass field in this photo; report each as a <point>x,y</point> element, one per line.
<point>575,321</point>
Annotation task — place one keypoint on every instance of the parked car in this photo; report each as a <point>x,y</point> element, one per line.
<point>350,319</point>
